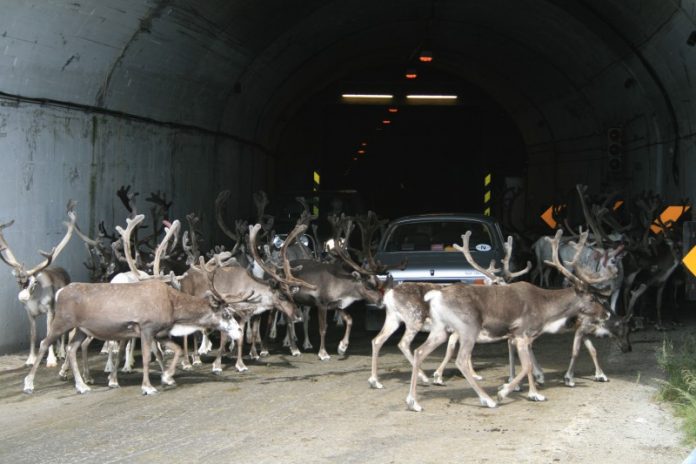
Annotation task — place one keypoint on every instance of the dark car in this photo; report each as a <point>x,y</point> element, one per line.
<point>426,243</point>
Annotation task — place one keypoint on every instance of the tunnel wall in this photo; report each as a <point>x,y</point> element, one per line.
<point>51,155</point>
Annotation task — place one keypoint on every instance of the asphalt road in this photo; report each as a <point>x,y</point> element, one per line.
<point>301,410</point>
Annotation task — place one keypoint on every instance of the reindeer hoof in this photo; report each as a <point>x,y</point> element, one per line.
<point>89,380</point>
<point>241,368</point>
<point>569,382</point>
<point>114,385</point>
<point>263,354</point>
<point>488,402</point>
<point>342,348</point>
<point>503,392</point>
<point>295,352</point>
<point>197,362</point>
<point>217,370</point>
<point>423,378</point>
<point>374,383</point>
<point>186,367</point>
<point>536,397</point>
<point>601,378</point>
<point>168,381</point>
<point>53,363</point>
<point>324,356</point>
<point>83,389</point>
<point>149,390</point>
<point>413,404</point>
<point>307,346</point>
<point>437,379</point>
<point>539,379</point>
<point>28,387</point>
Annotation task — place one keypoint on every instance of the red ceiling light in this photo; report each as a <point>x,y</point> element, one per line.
<point>363,144</point>
<point>411,73</point>
<point>393,110</point>
<point>386,121</point>
<point>361,152</point>
<point>425,56</point>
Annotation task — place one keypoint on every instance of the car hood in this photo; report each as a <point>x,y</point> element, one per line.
<point>429,266</point>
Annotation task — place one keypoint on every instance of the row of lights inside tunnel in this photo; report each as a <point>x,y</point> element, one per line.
<point>411,73</point>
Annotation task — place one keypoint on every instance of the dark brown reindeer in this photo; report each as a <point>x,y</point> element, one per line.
<point>339,284</point>
<point>519,311</point>
<point>151,310</point>
<point>38,285</point>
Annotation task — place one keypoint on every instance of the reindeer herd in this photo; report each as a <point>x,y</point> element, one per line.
<point>161,289</point>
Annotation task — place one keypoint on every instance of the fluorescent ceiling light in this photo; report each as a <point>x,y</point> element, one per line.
<point>431,97</point>
<point>368,95</point>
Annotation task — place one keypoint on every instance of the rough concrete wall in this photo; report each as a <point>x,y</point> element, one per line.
<point>51,155</point>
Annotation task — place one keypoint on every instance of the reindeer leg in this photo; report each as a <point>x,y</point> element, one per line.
<point>291,338</point>
<point>599,375</point>
<point>306,345</point>
<point>437,337</point>
<point>77,340</point>
<point>84,345</point>
<point>239,365</point>
<point>32,341</point>
<point>255,329</point>
<point>145,348</point>
<point>451,345</point>
<point>206,345</point>
<point>198,350</point>
<point>537,371</point>
<point>51,360</point>
<point>65,367</point>
<point>109,367</point>
<point>217,364</point>
<point>185,363</point>
<point>273,334</point>
<point>464,364</point>
<point>343,344</point>
<point>113,375</point>
<point>323,355</point>
<point>522,344</point>
<point>263,349</point>
<point>168,374</point>
<point>391,323</point>
<point>130,358</point>
<point>512,359</point>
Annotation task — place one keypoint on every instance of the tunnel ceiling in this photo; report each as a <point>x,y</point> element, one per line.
<point>239,66</point>
<point>243,67</point>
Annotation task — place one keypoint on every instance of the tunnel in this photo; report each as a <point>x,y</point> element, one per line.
<point>189,98</point>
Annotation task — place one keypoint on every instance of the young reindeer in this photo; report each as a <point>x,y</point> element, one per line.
<point>149,309</point>
<point>519,311</point>
<point>39,284</point>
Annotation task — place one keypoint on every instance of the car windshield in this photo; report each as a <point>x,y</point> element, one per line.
<point>438,236</point>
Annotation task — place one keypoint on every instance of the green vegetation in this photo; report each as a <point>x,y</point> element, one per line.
<point>679,364</point>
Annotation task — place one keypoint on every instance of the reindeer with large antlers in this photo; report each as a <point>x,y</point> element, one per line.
<point>339,284</point>
<point>519,311</point>
<point>38,285</point>
<point>615,326</point>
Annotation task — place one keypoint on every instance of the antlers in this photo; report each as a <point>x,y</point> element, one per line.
<point>8,257</point>
<point>583,279</point>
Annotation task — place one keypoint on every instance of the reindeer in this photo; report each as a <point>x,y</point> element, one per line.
<point>151,310</point>
<point>275,292</point>
<point>339,284</point>
<point>615,326</point>
<point>38,285</point>
<point>519,311</point>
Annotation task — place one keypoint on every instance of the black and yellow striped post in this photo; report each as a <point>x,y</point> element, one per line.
<point>487,194</point>
<point>316,180</point>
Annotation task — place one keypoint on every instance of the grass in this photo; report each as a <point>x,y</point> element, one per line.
<point>679,388</point>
